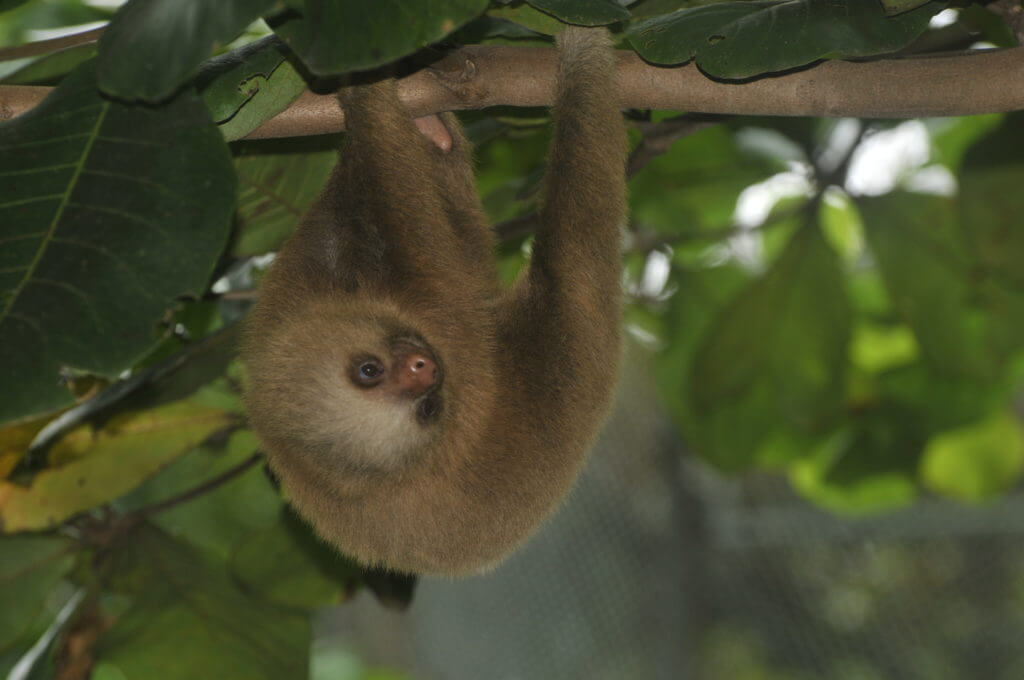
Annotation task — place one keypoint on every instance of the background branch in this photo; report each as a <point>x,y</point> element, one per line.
<point>476,77</point>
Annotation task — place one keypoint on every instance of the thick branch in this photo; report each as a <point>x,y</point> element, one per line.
<point>476,77</point>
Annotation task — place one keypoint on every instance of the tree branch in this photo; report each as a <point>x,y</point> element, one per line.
<point>476,77</point>
<point>33,49</point>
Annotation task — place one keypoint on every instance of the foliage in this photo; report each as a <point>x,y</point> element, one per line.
<point>867,345</point>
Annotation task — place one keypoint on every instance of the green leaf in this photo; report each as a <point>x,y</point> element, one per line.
<point>190,620</point>
<point>106,463</point>
<point>108,213</point>
<point>525,15</point>
<point>30,568</point>
<point>745,39</point>
<point>588,13</point>
<point>893,7</point>
<point>152,47</point>
<point>275,190</point>
<point>289,565</point>
<point>776,357</point>
<point>978,461</point>
<point>52,66</point>
<point>335,37</point>
<point>217,521</point>
<point>965,324</point>
<point>250,86</point>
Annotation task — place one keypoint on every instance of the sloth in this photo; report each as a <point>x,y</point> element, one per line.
<point>423,418</point>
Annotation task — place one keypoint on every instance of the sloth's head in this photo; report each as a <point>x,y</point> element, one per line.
<point>351,389</point>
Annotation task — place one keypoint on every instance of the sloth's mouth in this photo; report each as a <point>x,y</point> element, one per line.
<point>429,406</point>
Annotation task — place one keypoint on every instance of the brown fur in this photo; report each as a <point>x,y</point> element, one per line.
<point>398,245</point>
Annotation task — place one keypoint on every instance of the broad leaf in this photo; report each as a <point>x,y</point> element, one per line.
<point>745,39</point>
<point>274,192</point>
<point>30,567</point>
<point>289,565</point>
<point>108,213</point>
<point>335,37</point>
<point>52,66</point>
<point>190,620</point>
<point>249,86</point>
<point>107,463</point>
<point>151,47</point>
<point>592,13</point>
<point>774,359</point>
<point>978,461</point>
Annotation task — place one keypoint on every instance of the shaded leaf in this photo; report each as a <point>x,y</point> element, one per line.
<point>964,323</point>
<point>275,191</point>
<point>189,620</point>
<point>152,47</point>
<point>291,566</point>
<point>107,213</point>
<point>51,66</point>
<point>220,519</point>
<point>745,39</point>
<point>776,357</point>
<point>249,86</point>
<point>30,567</point>
<point>525,15</point>
<point>591,13</point>
<point>335,37</point>
<point>107,463</point>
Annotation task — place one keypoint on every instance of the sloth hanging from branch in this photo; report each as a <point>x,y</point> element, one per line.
<point>421,417</point>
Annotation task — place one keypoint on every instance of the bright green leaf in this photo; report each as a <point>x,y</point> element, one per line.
<point>336,37</point>
<point>978,461</point>
<point>152,47</point>
<point>106,463</point>
<point>775,357</point>
<point>108,213</point>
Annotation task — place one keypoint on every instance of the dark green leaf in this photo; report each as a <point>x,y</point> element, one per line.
<point>30,567</point>
<point>108,212</point>
<point>275,190</point>
<point>583,13</point>
<point>190,620</point>
<point>745,39</point>
<point>52,66</point>
<point>335,37</point>
<point>893,7</point>
<point>776,357</point>
<point>291,566</point>
<point>152,47</point>
<point>250,85</point>
<point>11,4</point>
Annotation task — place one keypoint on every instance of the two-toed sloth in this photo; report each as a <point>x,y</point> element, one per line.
<point>420,416</point>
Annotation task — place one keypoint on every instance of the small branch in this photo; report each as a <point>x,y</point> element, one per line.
<point>195,492</point>
<point>658,138</point>
<point>33,49</point>
<point>985,81</point>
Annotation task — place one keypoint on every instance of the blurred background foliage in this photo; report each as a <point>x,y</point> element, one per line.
<point>834,303</point>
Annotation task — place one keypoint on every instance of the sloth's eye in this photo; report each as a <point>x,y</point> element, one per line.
<point>368,372</point>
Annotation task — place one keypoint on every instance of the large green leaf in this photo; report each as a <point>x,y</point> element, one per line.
<point>274,192</point>
<point>590,13</point>
<point>977,461</point>
<point>745,39</point>
<point>108,212</point>
<point>249,86</point>
<point>349,35</point>
<point>106,463</point>
<point>190,620</point>
<point>775,359</point>
<point>30,567</point>
<point>964,323</point>
<point>151,47</point>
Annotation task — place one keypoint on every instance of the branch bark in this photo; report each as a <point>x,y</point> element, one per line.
<point>477,77</point>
